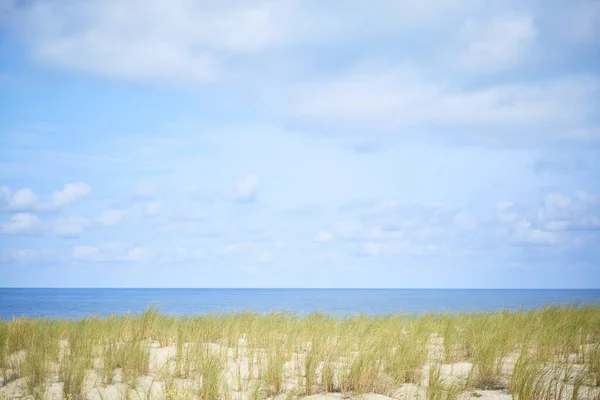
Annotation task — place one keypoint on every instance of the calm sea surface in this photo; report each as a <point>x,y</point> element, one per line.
<point>76,303</point>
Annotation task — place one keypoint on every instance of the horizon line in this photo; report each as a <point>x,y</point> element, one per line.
<point>294,288</point>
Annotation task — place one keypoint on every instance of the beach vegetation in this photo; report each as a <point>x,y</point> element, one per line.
<point>547,353</point>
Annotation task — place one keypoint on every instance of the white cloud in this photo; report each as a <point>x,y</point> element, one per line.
<point>397,230</point>
<point>5,195</point>
<point>23,255</point>
<point>181,41</point>
<point>348,228</point>
<point>392,229</point>
<point>112,217</point>
<point>153,208</point>
<point>497,44</point>
<point>88,253</point>
<point>21,223</point>
<point>329,256</point>
<point>555,205</point>
<point>184,253</point>
<point>23,199</point>
<point>186,219</point>
<point>323,237</point>
<point>560,220</point>
<point>249,251</point>
<point>186,41</point>
<point>69,226</point>
<point>151,59</point>
<point>246,189</point>
<point>26,199</point>
<point>554,226</point>
<point>70,193</point>
<point>524,233</point>
<point>517,228</point>
<point>112,252</point>
<point>181,227</point>
<point>243,247</point>
<point>375,233</point>
<point>506,211</point>
<point>389,98</point>
<point>139,253</point>
<point>146,189</point>
<point>560,213</point>
<point>398,247</point>
<point>465,221</point>
<point>372,249</point>
<point>265,257</point>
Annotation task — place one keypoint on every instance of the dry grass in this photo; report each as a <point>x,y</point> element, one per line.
<point>556,350</point>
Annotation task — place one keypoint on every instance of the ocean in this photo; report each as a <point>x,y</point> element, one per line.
<point>78,303</point>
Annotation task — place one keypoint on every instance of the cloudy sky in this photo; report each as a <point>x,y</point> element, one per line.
<point>407,143</point>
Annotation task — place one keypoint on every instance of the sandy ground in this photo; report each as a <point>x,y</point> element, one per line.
<point>241,379</point>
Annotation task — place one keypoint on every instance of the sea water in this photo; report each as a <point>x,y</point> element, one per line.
<point>77,303</point>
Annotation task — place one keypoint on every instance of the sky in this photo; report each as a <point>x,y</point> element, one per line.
<point>403,144</point>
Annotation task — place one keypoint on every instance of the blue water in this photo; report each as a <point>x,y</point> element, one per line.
<point>76,303</point>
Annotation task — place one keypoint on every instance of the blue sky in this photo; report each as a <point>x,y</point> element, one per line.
<point>445,143</point>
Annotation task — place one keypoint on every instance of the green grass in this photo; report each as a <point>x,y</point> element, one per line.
<point>5,366</point>
<point>210,369</point>
<point>314,355</point>
<point>407,353</point>
<point>593,363</point>
<point>273,371</point>
<point>557,351</point>
<point>437,390</point>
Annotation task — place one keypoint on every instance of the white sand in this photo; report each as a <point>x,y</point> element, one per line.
<point>241,378</point>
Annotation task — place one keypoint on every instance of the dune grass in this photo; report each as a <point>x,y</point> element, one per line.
<point>549,353</point>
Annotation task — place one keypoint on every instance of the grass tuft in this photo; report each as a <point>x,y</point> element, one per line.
<point>548,353</point>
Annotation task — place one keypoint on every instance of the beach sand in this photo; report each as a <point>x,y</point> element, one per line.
<point>240,376</point>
